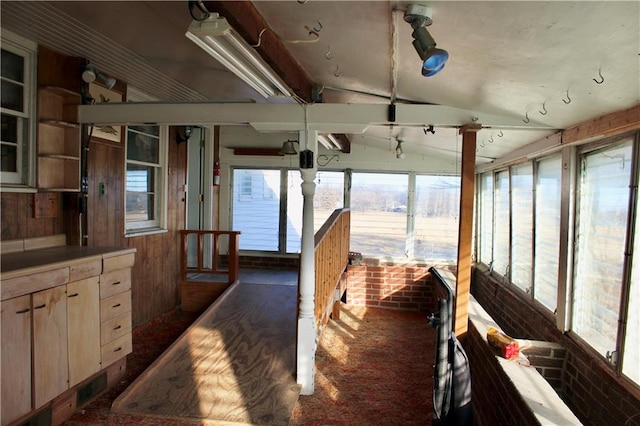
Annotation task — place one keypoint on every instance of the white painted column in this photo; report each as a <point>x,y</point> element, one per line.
<point>306,318</point>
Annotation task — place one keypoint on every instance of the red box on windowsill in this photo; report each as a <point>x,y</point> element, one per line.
<point>508,346</point>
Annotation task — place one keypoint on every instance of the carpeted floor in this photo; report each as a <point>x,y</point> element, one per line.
<point>374,366</point>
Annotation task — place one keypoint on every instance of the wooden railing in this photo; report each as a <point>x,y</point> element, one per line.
<point>331,258</point>
<point>203,282</point>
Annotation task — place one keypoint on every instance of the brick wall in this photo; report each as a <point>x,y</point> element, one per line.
<point>588,385</point>
<point>495,399</point>
<point>402,286</point>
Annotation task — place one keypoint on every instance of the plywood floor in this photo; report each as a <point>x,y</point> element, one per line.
<point>236,363</point>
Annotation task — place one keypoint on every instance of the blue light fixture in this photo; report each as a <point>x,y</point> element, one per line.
<point>433,59</point>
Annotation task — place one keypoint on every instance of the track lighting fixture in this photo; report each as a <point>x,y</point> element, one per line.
<point>433,59</point>
<point>90,74</point>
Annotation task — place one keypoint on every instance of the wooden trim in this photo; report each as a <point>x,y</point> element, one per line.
<point>608,125</point>
<point>465,231</point>
<point>275,152</point>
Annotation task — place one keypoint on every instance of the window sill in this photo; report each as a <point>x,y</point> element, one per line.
<point>18,188</point>
<point>145,231</point>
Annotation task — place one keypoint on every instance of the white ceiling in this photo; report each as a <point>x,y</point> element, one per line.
<point>511,58</point>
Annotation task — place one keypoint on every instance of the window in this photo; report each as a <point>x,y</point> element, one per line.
<point>17,110</point>
<point>437,202</point>
<point>601,236</point>
<point>547,231</point>
<point>146,179</point>
<point>256,208</point>
<point>485,228</point>
<point>502,224</point>
<point>379,214</point>
<point>522,224</point>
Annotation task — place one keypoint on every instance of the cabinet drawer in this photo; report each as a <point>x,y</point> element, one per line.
<point>118,262</point>
<point>84,270</point>
<point>115,327</point>
<point>113,351</point>
<point>115,305</point>
<point>33,283</point>
<point>115,282</point>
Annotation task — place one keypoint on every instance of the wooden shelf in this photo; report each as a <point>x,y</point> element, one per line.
<point>60,156</point>
<point>59,140</point>
<point>59,123</point>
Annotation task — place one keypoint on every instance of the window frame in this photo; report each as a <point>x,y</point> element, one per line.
<point>23,180</point>
<point>159,224</point>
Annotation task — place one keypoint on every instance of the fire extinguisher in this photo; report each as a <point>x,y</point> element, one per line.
<point>216,174</point>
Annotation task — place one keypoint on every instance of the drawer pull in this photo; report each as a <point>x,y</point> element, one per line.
<point>23,311</point>
<point>116,283</point>
<point>40,306</point>
<point>73,295</point>
<point>117,327</point>
<point>118,349</point>
<point>116,305</point>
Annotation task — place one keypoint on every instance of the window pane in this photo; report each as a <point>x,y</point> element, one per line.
<point>143,148</point>
<point>522,218</point>
<point>9,128</point>
<point>436,217</point>
<point>9,158</point>
<point>294,211</point>
<point>501,229</point>
<point>631,355</point>
<point>12,66</point>
<point>486,218</point>
<point>140,193</point>
<point>256,215</point>
<point>12,96</point>
<point>328,197</point>
<point>379,214</point>
<point>548,196</point>
<point>602,220</point>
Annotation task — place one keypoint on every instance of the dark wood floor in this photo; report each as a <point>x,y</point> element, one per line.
<point>236,363</point>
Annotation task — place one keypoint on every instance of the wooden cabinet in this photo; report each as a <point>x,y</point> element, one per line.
<point>15,316</point>
<point>59,140</point>
<point>83,329</point>
<point>50,356</point>
<point>62,323</point>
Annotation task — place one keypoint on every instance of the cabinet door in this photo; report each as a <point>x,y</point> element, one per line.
<point>83,325</point>
<point>50,368</point>
<point>15,317</point>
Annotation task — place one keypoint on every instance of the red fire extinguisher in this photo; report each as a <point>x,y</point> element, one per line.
<point>216,174</point>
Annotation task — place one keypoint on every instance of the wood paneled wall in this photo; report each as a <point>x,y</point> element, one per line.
<point>18,221</point>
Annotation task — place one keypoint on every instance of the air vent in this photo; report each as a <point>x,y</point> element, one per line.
<point>91,389</point>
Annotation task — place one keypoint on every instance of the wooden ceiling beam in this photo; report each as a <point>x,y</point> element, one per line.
<point>249,23</point>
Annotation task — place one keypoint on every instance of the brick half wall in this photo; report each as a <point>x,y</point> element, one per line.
<point>391,285</point>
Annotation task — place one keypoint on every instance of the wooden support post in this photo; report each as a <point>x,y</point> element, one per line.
<point>465,228</point>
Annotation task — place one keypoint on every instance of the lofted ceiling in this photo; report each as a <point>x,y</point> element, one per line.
<point>553,63</point>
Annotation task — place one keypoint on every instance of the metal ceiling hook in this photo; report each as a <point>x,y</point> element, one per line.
<point>568,100</point>
<point>526,117</point>
<point>601,77</point>
<point>544,109</point>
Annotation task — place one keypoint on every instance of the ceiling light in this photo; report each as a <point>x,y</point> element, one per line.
<point>216,37</point>
<point>289,148</point>
<point>330,142</point>
<point>433,59</point>
<point>399,153</point>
